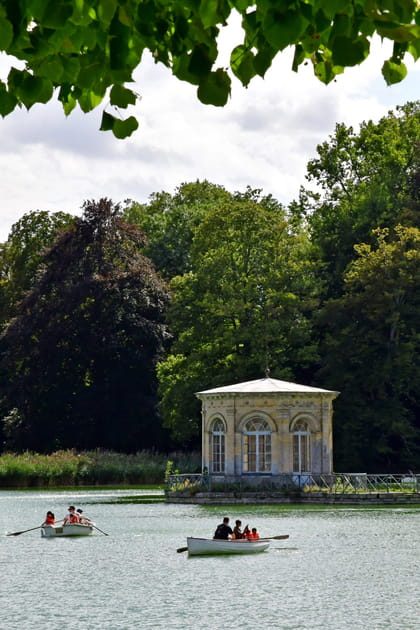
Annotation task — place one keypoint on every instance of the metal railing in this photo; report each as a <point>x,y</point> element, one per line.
<point>333,483</point>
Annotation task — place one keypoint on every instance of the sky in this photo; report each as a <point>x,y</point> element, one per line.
<point>264,137</point>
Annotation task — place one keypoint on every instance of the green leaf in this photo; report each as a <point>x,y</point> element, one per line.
<point>399,32</point>
<point>57,14</point>
<point>71,68</point>
<point>121,96</point>
<point>6,33</point>
<point>88,100</point>
<point>263,59</point>
<point>333,7</point>
<point>324,71</point>
<point>215,89</point>
<point>394,72</point>
<point>124,128</point>
<point>7,101</point>
<point>180,68</point>
<point>200,61</point>
<point>208,12</point>
<point>347,52</point>
<point>88,75</point>
<point>107,122</point>
<point>34,90</point>
<point>106,10</point>
<point>242,64</point>
<point>51,68</point>
<point>120,128</point>
<point>283,29</point>
<point>119,51</point>
<point>67,98</point>
<point>298,57</point>
<point>414,49</point>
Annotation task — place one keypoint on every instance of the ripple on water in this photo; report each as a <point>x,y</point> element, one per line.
<point>341,569</point>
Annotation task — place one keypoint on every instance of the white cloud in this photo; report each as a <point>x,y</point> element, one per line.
<point>264,138</point>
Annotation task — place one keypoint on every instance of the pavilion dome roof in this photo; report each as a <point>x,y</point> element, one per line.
<point>266,386</point>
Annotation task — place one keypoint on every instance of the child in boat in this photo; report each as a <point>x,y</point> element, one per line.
<point>254,534</point>
<point>50,518</point>
<point>247,532</point>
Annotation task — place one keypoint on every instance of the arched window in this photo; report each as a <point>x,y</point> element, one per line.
<point>301,447</point>
<point>218,446</point>
<point>257,446</point>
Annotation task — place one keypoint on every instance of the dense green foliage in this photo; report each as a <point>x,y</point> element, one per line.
<point>89,48</point>
<point>324,292</point>
<point>21,255</point>
<point>87,468</point>
<point>78,361</point>
<point>245,306</point>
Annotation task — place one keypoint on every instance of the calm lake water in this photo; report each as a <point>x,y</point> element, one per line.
<point>341,568</point>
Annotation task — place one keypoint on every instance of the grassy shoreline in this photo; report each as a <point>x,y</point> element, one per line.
<point>91,468</point>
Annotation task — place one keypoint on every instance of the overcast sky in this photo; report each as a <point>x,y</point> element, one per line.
<point>263,137</point>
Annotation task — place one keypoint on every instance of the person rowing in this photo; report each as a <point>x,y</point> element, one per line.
<point>84,520</point>
<point>223,531</point>
<point>71,516</point>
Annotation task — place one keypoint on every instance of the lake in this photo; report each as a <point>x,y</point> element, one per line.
<point>341,569</point>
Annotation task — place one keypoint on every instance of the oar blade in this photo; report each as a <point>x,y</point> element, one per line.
<point>282,537</point>
<point>24,531</point>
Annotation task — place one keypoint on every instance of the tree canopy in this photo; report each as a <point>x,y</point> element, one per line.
<point>78,361</point>
<point>244,306</point>
<point>88,48</point>
<point>21,255</point>
<point>365,179</point>
<point>371,353</point>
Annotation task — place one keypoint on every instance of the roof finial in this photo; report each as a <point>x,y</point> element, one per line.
<point>267,372</point>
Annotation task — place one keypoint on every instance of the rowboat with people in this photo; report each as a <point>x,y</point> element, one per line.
<point>67,529</point>
<point>73,524</point>
<point>227,541</point>
<point>212,546</point>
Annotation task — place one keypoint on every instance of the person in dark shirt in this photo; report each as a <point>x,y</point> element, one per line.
<point>223,531</point>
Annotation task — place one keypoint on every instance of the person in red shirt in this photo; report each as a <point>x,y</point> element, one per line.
<point>71,516</point>
<point>254,534</point>
<point>49,519</point>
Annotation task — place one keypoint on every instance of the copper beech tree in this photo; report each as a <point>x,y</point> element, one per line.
<point>78,360</point>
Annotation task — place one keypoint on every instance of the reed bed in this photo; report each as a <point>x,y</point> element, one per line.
<point>91,468</point>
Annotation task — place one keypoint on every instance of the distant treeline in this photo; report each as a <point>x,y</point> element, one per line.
<point>91,468</point>
<point>113,320</point>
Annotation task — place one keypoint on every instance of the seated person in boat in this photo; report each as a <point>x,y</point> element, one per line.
<point>49,519</point>
<point>254,534</point>
<point>237,532</point>
<point>71,516</point>
<point>84,520</point>
<point>247,532</point>
<point>223,531</point>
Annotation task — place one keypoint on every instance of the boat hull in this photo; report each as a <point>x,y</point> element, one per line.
<point>70,529</point>
<point>207,546</point>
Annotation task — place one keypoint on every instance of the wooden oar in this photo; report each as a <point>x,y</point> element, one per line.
<point>99,530</point>
<point>24,531</point>
<point>181,549</point>
<point>282,537</point>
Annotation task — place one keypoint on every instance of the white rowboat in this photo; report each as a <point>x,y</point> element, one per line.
<point>68,529</point>
<point>208,546</point>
